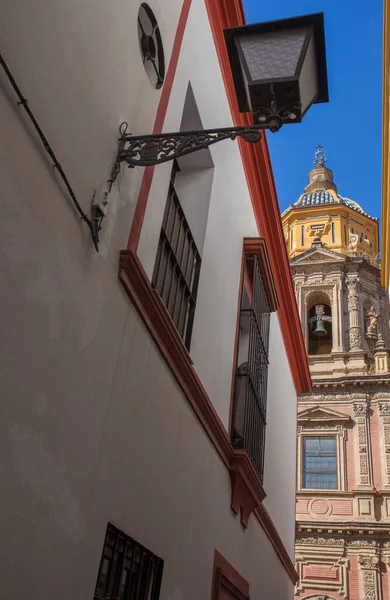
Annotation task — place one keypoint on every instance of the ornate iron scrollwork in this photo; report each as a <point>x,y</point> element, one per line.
<point>148,150</point>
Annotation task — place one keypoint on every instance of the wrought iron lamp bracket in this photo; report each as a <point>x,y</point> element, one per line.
<point>149,150</point>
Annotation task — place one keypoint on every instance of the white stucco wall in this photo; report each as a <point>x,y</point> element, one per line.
<point>280,448</point>
<point>93,426</point>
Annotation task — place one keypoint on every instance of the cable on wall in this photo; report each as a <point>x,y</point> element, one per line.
<point>93,224</point>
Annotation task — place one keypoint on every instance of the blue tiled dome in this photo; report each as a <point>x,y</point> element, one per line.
<point>318,197</point>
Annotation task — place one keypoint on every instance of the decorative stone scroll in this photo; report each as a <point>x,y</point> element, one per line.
<point>368,561</point>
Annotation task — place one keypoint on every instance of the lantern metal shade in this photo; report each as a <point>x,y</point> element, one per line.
<point>279,67</point>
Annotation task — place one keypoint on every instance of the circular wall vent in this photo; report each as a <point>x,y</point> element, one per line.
<point>150,44</point>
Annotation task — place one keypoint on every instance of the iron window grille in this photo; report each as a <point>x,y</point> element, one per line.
<point>128,571</point>
<point>177,267</point>
<point>250,390</point>
<point>320,463</point>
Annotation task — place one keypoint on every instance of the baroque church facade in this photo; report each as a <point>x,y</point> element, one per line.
<point>343,474</point>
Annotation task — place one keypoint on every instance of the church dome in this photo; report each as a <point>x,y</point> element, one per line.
<point>322,213</point>
<point>322,190</point>
<point>324,196</point>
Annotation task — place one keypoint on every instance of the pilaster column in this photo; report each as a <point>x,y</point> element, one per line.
<point>369,577</point>
<point>384,413</point>
<point>355,330</point>
<point>339,294</point>
<point>363,463</point>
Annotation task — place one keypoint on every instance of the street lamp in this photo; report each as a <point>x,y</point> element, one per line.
<point>279,68</point>
<point>279,71</point>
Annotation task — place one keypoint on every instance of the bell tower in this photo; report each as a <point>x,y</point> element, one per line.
<point>343,446</point>
<point>333,246</point>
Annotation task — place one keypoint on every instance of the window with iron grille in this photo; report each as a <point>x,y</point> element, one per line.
<point>177,267</point>
<point>128,571</point>
<point>250,390</point>
<point>320,463</point>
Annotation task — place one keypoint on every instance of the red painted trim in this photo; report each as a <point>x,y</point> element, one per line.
<point>236,340</point>
<point>275,539</point>
<point>147,179</point>
<point>226,578</point>
<point>258,171</point>
<point>259,246</point>
<point>247,491</point>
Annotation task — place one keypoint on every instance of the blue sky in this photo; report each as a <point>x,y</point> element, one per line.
<point>349,126</point>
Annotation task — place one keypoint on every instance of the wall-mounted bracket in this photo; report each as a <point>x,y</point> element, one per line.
<point>149,150</point>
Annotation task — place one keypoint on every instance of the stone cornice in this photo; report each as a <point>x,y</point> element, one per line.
<point>347,531</point>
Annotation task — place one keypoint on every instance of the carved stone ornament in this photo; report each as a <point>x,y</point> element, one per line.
<point>359,408</point>
<point>353,302</point>
<point>355,337</point>
<point>320,427</point>
<point>313,541</point>
<point>370,592</point>
<point>352,282</point>
<point>372,321</point>
<point>384,408</point>
<point>368,561</point>
<point>331,396</point>
<point>362,543</point>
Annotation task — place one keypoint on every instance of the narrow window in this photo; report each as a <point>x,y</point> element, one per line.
<point>319,463</point>
<point>250,390</point>
<point>333,234</point>
<point>345,234</point>
<point>303,235</point>
<point>292,238</point>
<point>177,267</point>
<point>127,571</point>
<point>183,232</point>
<point>352,230</point>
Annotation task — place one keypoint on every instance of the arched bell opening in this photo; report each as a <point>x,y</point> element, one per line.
<point>320,332</point>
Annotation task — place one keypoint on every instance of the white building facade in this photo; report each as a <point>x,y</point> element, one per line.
<point>145,386</point>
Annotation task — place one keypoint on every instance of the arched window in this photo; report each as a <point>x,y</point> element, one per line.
<point>319,324</point>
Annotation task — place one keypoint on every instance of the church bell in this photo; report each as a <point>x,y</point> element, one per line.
<point>320,329</point>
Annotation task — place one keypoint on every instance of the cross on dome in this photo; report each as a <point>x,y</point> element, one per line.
<point>319,156</point>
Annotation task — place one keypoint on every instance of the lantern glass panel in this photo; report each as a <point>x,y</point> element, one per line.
<point>271,55</point>
<point>308,77</point>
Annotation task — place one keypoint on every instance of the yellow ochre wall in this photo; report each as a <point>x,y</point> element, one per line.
<point>345,221</point>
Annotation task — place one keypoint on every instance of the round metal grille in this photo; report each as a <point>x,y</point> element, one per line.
<point>150,44</point>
